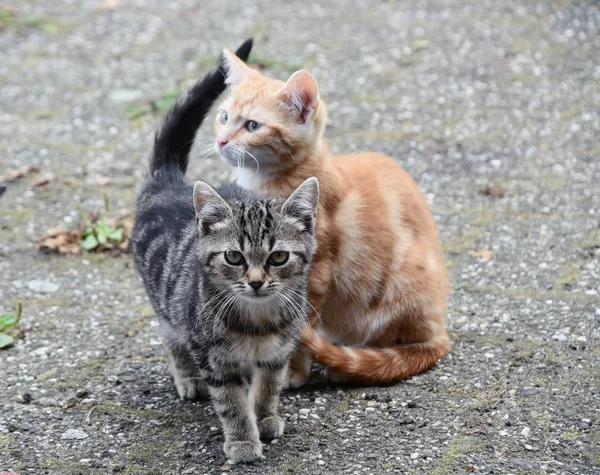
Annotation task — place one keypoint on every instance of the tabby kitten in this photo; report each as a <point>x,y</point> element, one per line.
<point>378,280</point>
<point>227,275</point>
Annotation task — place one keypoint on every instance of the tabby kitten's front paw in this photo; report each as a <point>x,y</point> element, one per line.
<point>244,451</point>
<point>271,427</point>
<point>188,388</point>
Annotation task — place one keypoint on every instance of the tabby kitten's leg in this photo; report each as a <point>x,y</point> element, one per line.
<point>264,396</point>
<point>185,374</point>
<point>230,401</point>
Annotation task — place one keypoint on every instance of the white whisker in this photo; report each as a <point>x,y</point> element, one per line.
<point>256,160</point>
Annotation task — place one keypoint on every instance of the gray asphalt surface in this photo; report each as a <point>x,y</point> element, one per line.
<point>465,94</point>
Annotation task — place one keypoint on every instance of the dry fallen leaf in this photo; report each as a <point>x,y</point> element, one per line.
<point>483,253</point>
<point>493,190</point>
<point>63,241</point>
<point>106,5</point>
<point>22,172</point>
<point>44,182</point>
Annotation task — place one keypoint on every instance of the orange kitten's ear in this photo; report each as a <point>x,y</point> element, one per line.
<point>301,93</point>
<point>237,71</point>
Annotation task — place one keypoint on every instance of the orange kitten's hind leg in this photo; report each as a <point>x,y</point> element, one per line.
<point>299,370</point>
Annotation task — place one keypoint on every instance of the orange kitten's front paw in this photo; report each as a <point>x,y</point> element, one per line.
<point>299,369</point>
<point>297,379</point>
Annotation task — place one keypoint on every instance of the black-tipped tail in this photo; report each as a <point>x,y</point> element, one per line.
<point>174,140</point>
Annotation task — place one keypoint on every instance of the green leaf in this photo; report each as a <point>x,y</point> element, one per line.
<point>421,44</point>
<point>7,320</point>
<point>90,242</point>
<point>116,235</point>
<point>103,230</point>
<point>6,340</point>
<point>102,236</point>
<point>11,319</point>
<point>102,227</point>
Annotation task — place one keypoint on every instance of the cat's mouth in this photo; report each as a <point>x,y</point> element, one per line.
<point>241,157</point>
<point>228,158</point>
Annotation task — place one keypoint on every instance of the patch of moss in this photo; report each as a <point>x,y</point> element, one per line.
<point>45,376</point>
<point>84,371</point>
<point>144,310</point>
<point>572,434</point>
<point>341,407</point>
<point>140,109</point>
<point>18,215</point>
<point>469,237</point>
<point>570,274</point>
<point>10,19</point>
<point>452,458</point>
<point>69,467</point>
<point>520,45</point>
<point>4,440</point>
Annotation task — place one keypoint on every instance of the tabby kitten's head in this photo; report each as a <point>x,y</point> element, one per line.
<point>267,124</point>
<point>257,253</point>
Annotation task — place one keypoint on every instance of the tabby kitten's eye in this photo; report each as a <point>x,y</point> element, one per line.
<point>278,258</point>
<point>252,125</point>
<point>234,258</point>
<point>223,118</point>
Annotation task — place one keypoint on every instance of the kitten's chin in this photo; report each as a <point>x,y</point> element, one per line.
<point>258,299</point>
<point>258,306</point>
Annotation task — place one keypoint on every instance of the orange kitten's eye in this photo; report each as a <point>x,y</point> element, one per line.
<point>223,118</point>
<point>252,125</point>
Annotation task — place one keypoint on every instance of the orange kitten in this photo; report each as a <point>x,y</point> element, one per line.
<point>378,283</point>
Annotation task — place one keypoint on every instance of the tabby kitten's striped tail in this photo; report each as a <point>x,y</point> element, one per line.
<point>174,140</point>
<point>375,365</point>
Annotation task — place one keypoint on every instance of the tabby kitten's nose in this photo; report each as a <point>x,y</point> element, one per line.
<point>256,284</point>
<point>222,143</point>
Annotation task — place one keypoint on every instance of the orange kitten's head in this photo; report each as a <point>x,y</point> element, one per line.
<point>267,125</point>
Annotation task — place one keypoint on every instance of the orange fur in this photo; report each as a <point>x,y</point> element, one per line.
<point>378,285</point>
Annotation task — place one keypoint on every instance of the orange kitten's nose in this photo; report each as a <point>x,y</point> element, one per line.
<point>221,143</point>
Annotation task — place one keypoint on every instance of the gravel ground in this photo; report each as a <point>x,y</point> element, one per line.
<point>465,94</point>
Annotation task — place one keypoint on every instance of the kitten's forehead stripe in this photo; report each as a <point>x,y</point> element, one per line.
<point>256,224</point>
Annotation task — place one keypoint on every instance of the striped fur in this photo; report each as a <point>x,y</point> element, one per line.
<point>224,319</point>
<point>378,284</point>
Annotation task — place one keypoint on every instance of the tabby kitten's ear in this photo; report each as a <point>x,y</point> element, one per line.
<point>301,94</point>
<point>303,203</point>
<point>237,70</point>
<point>210,207</point>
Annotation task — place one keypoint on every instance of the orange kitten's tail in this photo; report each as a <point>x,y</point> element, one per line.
<point>375,365</point>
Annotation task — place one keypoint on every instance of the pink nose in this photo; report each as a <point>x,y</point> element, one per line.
<point>221,143</point>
